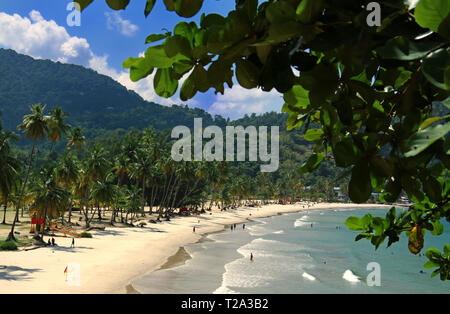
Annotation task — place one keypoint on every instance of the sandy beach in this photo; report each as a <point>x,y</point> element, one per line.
<point>115,257</point>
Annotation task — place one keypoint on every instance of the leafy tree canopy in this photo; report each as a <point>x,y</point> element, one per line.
<point>370,90</point>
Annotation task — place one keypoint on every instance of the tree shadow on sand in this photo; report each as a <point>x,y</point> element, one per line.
<point>16,273</point>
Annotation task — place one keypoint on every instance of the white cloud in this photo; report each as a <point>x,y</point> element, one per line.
<point>115,21</point>
<point>236,102</point>
<point>39,38</point>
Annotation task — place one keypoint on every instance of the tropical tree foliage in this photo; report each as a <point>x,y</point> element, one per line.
<point>364,94</point>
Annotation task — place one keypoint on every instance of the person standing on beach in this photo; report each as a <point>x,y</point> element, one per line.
<point>243,226</point>
<point>193,229</point>
<point>73,243</point>
<point>251,257</point>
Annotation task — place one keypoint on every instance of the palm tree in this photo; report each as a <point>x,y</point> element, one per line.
<point>10,168</point>
<point>35,126</point>
<point>58,127</point>
<point>48,198</point>
<point>76,138</point>
<point>133,200</point>
<point>95,168</point>
<point>140,171</point>
<point>121,169</point>
<point>104,192</point>
<point>67,173</point>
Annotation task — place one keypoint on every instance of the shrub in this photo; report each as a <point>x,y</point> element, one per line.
<point>8,246</point>
<point>86,235</point>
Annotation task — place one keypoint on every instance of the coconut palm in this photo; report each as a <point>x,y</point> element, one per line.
<point>121,169</point>
<point>35,126</point>
<point>140,171</point>
<point>132,202</point>
<point>10,168</point>
<point>57,126</point>
<point>104,192</point>
<point>76,138</point>
<point>67,173</point>
<point>49,200</point>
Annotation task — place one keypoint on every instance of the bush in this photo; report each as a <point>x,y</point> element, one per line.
<point>8,246</point>
<point>86,235</point>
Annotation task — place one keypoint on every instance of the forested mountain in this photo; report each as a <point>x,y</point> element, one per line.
<point>93,101</point>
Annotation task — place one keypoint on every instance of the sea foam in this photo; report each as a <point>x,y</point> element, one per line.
<point>350,276</point>
<point>308,276</point>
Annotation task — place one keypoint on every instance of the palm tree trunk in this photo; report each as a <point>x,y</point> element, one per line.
<point>43,225</point>
<point>11,233</point>
<point>143,197</point>
<point>4,211</point>
<point>113,216</point>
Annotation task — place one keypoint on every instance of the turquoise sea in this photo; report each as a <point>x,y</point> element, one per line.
<point>305,252</point>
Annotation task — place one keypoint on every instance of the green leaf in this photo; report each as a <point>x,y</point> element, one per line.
<point>312,163</point>
<point>430,264</point>
<point>438,228</point>
<point>308,10</point>
<point>433,253</point>
<point>345,153</point>
<point>354,223</point>
<point>188,90</point>
<point>293,121</point>
<point>447,251</point>
<point>435,66</point>
<point>188,8</point>
<point>155,37</point>
<point>118,4</point>
<point>157,57</point>
<point>201,78</point>
<point>433,189</point>
<point>419,141</point>
<point>381,166</point>
<point>178,46</point>
<point>279,12</point>
<point>313,135</point>
<point>360,188</point>
<point>247,74</point>
<point>431,13</point>
<point>402,79</point>
<point>213,19</point>
<point>170,5</point>
<point>429,121</point>
<point>139,68</point>
<point>149,7</point>
<point>401,48</point>
<point>297,96</point>
<point>165,86</point>
<point>187,30</point>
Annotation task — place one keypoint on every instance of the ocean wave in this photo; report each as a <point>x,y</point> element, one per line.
<point>258,231</point>
<point>242,273</point>
<point>350,276</point>
<point>302,221</point>
<point>308,276</point>
<point>279,232</point>
<point>224,290</point>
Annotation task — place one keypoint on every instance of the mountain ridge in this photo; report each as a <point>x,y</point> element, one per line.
<point>92,100</point>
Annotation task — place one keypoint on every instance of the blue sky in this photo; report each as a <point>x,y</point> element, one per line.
<point>105,38</point>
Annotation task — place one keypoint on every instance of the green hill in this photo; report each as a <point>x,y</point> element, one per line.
<point>94,101</point>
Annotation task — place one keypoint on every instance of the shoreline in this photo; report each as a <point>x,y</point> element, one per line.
<point>114,258</point>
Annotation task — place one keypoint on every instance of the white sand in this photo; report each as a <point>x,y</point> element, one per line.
<point>113,258</point>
